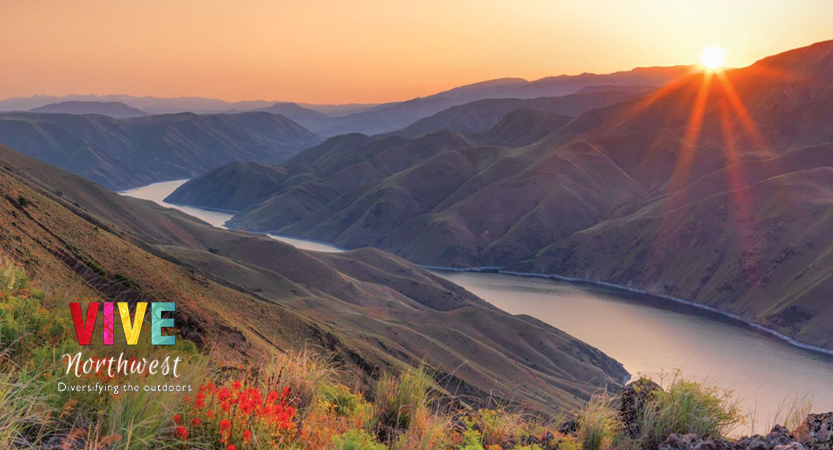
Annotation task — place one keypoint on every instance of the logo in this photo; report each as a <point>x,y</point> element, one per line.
<point>132,328</point>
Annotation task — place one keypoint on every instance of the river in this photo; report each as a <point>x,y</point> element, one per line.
<point>648,335</point>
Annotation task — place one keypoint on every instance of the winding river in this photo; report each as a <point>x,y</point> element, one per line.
<point>649,335</point>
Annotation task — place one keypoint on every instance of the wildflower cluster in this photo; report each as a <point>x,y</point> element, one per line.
<point>236,416</point>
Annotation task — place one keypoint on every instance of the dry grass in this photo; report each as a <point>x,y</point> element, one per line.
<point>598,425</point>
<point>305,372</point>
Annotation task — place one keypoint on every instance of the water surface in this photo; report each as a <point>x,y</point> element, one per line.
<point>647,334</point>
<point>157,192</point>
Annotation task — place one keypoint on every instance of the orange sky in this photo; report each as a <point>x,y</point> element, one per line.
<point>338,51</point>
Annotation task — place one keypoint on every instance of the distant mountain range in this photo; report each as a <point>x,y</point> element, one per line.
<point>249,297</point>
<point>715,189</point>
<point>393,116</point>
<point>124,153</point>
<point>331,120</point>
<point>163,105</point>
<point>116,110</point>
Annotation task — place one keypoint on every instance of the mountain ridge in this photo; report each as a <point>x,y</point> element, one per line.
<point>125,153</point>
<point>117,110</point>
<point>250,295</point>
<point>615,195</point>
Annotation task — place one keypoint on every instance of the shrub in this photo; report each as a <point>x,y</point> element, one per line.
<point>343,402</point>
<point>497,426</point>
<point>23,201</point>
<point>356,440</point>
<point>687,407</point>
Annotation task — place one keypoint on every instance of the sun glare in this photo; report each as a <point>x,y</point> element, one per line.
<point>713,57</point>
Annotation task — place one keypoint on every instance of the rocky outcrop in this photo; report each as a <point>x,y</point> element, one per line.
<point>634,397</point>
<point>815,434</point>
<point>817,431</point>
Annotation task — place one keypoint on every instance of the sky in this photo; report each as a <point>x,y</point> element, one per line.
<point>370,51</point>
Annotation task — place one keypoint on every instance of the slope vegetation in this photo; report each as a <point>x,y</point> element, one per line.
<point>131,152</point>
<point>250,296</point>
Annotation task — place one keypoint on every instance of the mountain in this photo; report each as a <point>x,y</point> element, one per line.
<point>481,115</point>
<point>247,296</point>
<point>714,189</point>
<point>124,153</point>
<point>234,186</point>
<point>295,112</point>
<point>117,110</point>
<point>389,117</point>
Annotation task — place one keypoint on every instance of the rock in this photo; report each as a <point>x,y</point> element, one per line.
<point>530,441</point>
<point>633,399</point>
<point>549,442</point>
<point>819,428</point>
<point>756,442</point>
<point>714,444</point>
<point>779,435</point>
<point>570,427</point>
<point>791,446</point>
<point>681,442</point>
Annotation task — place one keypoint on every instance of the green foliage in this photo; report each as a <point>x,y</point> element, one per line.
<point>686,407</point>
<point>356,440</point>
<point>95,267</point>
<point>23,201</point>
<point>127,281</point>
<point>472,441</point>
<point>25,324</point>
<point>344,402</point>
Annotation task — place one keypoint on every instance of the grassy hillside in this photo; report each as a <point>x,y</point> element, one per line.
<point>247,297</point>
<point>483,114</point>
<point>124,153</point>
<point>713,189</point>
<point>304,400</point>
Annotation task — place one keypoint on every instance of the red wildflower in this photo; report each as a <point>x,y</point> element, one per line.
<point>196,421</point>
<point>231,447</point>
<point>225,424</point>
<point>177,419</point>
<point>272,397</point>
<point>182,432</point>
<point>247,435</point>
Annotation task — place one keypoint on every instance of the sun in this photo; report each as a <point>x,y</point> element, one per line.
<point>713,57</point>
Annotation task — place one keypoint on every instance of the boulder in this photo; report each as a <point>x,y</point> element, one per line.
<point>791,446</point>
<point>819,431</point>
<point>714,444</point>
<point>779,435</point>
<point>633,398</point>
<point>756,442</point>
<point>681,442</point>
